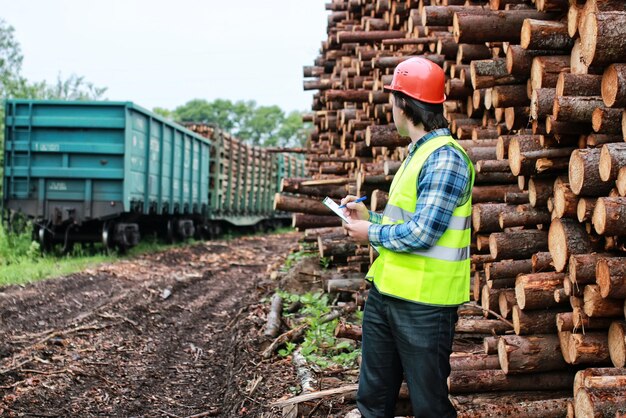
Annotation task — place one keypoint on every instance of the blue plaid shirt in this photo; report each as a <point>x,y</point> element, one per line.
<point>443,184</point>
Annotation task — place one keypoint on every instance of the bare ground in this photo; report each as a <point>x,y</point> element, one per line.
<point>170,334</point>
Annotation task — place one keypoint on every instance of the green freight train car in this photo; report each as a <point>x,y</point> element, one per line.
<point>112,171</point>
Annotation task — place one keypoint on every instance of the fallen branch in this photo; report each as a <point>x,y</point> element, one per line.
<point>497,315</point>
<point>316,395</point>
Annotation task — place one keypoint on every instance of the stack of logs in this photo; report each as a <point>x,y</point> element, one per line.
<point>536,94</point>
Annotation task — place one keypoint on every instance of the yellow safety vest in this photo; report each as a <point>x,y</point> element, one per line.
<point>439,275</point>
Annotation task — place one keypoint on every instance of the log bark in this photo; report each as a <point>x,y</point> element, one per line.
<point>484,194</point>
<point>516,198</point>
<point>539,190</point>
<point>500,26</point>
<point>584,210</point>
<point>472,52</point>
<point>617,343</point>
<point>534,322</point>
<point>283,202</point>
<point>584,174</point>
<point>611,277</point>
<point>351,331</point>
<point>614,85</point>
<point>294,185</point>
<point>522,354</point>
<point>379,200</point>
<point>546,35</point>
<point>585,323</point>
<point>344,37</point>
<point>612,159</point>
<point>609,216</point>
<point>443,15</point>
<point>565,202</point>
<point>345,285</point>
<point>542,262</point>
<point>489,299</point>
<point>536,290</point>
<point>519,61</point>
<point>472,381</point>
<point>589,348</point>
<point>517,245</point>
<point>597,306</point>
<point>582,375</point>
<point>566,237</point>
<point>569,84</point>
<point>540,408</point>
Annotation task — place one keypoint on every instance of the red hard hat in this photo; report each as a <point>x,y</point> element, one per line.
<point>420,79</point>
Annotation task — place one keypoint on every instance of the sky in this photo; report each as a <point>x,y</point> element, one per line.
<point>161,53</point>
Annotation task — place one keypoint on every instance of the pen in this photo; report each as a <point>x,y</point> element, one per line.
<point>360,199</point>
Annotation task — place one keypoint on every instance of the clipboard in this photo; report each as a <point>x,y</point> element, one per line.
<point>330,204</point>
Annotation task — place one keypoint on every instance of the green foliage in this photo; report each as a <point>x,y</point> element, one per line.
<point>257,125</point>
<point>319,347</point>
<point>293,258</point>
<point>325,262</point>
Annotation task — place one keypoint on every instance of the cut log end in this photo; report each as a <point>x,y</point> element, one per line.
<point>617,343</point>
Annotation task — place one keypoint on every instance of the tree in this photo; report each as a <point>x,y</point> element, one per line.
<point>257,125</point>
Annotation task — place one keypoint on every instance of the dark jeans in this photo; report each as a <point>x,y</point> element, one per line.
<point>410,339</point>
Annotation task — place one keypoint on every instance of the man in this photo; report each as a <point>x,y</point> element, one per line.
<point>422,272</point>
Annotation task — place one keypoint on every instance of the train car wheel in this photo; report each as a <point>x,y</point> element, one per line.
<point>107,235</point>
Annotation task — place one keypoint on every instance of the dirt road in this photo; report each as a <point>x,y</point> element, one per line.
<point>172,334</point>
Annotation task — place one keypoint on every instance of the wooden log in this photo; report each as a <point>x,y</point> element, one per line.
<point>596,140</point>
<point>517,245</point>
<point>492,166</point>
<point>565,202</point>
<point>612,159</point>
<point>472,52</point>
<point>484,194</point>
<point>609,216</point>
<point>583,375</point>
<point>357,96</point>
<point>490,344</point>
<point>385,136</point>
<point>607,121</point>
<point>509,96</point>
<point>272,326</point>
<point>546,35</point>
<point>582,268</point>
<point>559,128</point>
<point>472,325</point>
<point>485,216</point>
<point>584,174</point>
<point>545,70</point>
<point>552,407</point>
<point>351,331</point>
<point>534,322</point>
<point>542,262</point>
<point>524,215</point>
<point>501,26</point>
<point>575,108</point>
<point>470,361</point>
<point>519,61</point>
<point>620,183</point>
<point>334,247</point>
<point>602,38</point>
<point>506,302</point>
<point>443,15</point>
<point>566,237</point>
<point>303,221</point>
<point>287,203</point>
<point>345,285</point>
<point>379,200</point>
<point>507,268</point>
<point>489,299</point>
<point>524,354</point>
<point>539,190</point>
<point>584,210</point>
<point>492,72</point>
<point>516,198</point>
<point>541,102</point>
<point>536,290</point>
<point>585,323</point>
<point>344,37</point>
<point>617,343</point>
<point>590,348</point>
<point>614,85</point>
<point>597,306</point>
<point>600,403</point>
<point>565,321</point>
<point>473,381</point>
<point>611,277</point>
<point>519,147</point>
<point>569,84</point>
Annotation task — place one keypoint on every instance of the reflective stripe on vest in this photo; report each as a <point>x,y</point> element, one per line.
<point>438,275</point>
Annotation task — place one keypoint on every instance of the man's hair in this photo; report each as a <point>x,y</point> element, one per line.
<point>430,115</point>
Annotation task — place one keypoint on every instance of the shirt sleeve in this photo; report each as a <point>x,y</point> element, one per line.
<point>443,184</point>
<point>375,218</point>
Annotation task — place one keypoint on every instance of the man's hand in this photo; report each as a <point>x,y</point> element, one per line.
<point>356,211</point>
<point>358,230</point>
